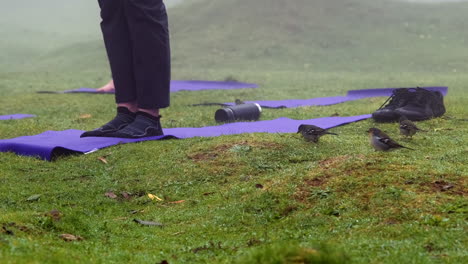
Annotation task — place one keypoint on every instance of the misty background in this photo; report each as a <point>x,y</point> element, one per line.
<point>303,34</point>
<point>51,16</point>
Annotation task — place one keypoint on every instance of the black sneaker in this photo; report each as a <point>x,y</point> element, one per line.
<point>424,105</point>
<point>144,125</point>
<point>438,106</point>
<point>398,99</point>
<point>121,120</point>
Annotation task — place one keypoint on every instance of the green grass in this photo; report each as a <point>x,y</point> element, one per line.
<point>334,202</point>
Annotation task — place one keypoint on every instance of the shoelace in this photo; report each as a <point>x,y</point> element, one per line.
<point>396,94</point>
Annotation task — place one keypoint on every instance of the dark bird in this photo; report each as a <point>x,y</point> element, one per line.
<point>312,133</point>
<point>381,141</point>
<point>408,128</point>
<point>238,102</point>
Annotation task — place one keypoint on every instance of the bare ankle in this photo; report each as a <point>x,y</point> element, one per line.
<point>153,112</point>
<point>131,106</point>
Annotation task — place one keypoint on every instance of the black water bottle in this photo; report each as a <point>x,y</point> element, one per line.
<point>249,112</point>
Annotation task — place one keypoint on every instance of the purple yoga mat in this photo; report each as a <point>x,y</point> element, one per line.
<point>322,101</point>
<point>177,86</point>
<point>15,116</point>
<point>208,85</point>
<point>52,143</point>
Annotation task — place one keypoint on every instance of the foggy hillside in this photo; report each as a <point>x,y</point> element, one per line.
<point>69,18</point>
<point>36,30</point>
<point>322,35</point>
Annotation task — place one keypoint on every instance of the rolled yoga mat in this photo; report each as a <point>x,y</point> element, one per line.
<point>15,116</point>
<point>177,86</point>
<point>322,101</point>
<point>51,144</point>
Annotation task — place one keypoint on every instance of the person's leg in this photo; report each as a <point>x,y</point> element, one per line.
<point>148,28</point>
<point>119,48</point>
<point>119,51</point>
<point>149,31</point>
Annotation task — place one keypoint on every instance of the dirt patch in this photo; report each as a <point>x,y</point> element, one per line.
<point>202,156</point>
<point>335,161</point>
<point>324,166</point>
<point>304,191</point>
<point>446,187</point>
<point>391,221</point>
<point>301,195</point>
<point>260,144</point>
<point>216,151</point>
<point>288,210</point>
<point>320,176</point>
<point>442,186</point>
<point>210,154</point>
<point>316,182</point>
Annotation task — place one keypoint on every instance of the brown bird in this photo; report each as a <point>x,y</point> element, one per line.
<point>312,133</point>
<point>381,141</point>
<point>238,102</point>
<point>408,128</point>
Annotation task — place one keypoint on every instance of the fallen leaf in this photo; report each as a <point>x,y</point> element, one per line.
<point>111,195</point>
<point>177,202</point>
<point>7,231</point>
<point>334,213</point>
<point>33,198</point>
<point>55,214</point>
<point>147,223</point>
<point>153,197</point>
<point>126,195</point>
<point>253,242</point>
<point>84,116</point>
<point>447,187</point>
<point>70,237</point>
<point>311,251</point>
<point>23,228</point>
<point>103,160</point>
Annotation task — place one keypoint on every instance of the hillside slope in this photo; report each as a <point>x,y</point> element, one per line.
<point>322,34</point>
<point>319,35</point>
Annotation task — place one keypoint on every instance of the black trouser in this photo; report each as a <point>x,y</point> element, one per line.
<point>136,36</point>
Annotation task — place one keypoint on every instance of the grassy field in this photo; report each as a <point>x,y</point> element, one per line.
<point>251,198</point>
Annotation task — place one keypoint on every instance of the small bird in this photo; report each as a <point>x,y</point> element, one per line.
<point>381,141</point>
<point>239,101</point>
<point>313,133</point>
<point>408,128</point>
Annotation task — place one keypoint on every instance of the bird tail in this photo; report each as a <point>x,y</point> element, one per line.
<point>330,133</point>
<point>407,147</point>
